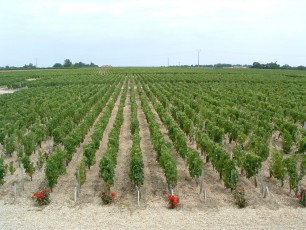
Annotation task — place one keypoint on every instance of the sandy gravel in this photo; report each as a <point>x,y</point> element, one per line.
<point>97,216</point>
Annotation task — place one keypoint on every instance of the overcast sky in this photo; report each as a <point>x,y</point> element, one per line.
<point>149,32</point>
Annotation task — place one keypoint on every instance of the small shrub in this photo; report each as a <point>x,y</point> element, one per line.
<point>42,197</point>
<point>302,197</point>
<point>239,196</point>
<point>173,201</point>
<point>28,166</point>
<point>41,160</point>
<point>11,167</point>
<point>108,198</point>
<point>82,172</point>
<point>2,170</point>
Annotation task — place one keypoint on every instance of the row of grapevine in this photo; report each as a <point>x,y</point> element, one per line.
<point>247,118</point>
<point>53,170</point>
<point>250,162</point>
<point>25,135</point>
<point>194,161</point>
<point>109,160</point>
<point>164,156</point>
<point>90,149</point>
<point>30,115</point>
<point>136,163</point>
<point>294,166</point>
<point>76,135</point>
<point>220,158</point>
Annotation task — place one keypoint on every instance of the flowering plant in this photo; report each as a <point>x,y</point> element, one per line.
<point>42,197</point>
<point>173,201</point>
<point>108,198</point>
<point>113,194</point>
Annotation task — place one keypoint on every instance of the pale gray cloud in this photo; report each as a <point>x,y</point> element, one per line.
<point>138,32</point>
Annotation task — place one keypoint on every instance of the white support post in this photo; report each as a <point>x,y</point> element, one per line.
<point>15,192</point>
<point>262,184</point>
<point>171,189</point>
<point>267,192</point>
<point>22,177</point>
<point>138,195</point>
<point>78,183</point>
<point>205,196</point>
<point>202,180</point>
<point>75,193</point>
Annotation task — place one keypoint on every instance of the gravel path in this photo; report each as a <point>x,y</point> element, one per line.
<point>96,216</point>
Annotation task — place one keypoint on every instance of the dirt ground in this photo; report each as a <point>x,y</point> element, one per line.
<point>155,216</point>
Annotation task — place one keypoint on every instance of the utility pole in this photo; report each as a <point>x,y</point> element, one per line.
<point>168,61</point>
<point>198,50</point>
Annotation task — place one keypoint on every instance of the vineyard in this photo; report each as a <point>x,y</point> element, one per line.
<point>133,136</point>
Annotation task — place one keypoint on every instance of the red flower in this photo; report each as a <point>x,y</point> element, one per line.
<point>113,194</point>
<point>42,197</point>
<point>298,196</point>
<point>173,200</point>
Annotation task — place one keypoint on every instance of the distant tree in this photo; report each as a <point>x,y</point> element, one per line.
<point>79,64</point>
<point>301,67</point>
<point>272,65</point>
<point>256,65</point>
<point>93,65</point>
<point>286,67</point>
<point>57,65</point>
<point>222,65</point>
<point>30,66</point>
<point>67,63</point>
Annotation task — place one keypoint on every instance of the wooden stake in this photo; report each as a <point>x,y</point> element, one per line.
<point>202,180</point>
<point>15,192</point>
<point>22,178</point>
<point>79,183</point>
<point>205,196</point>
<point>75,193</point>
<point>262,187</point>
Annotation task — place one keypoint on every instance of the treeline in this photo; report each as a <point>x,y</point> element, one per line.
<point>29,66</point>
<point>218,65</point>
<point>274,65</point>
<point>68,64</point>
<point>255,65</point>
